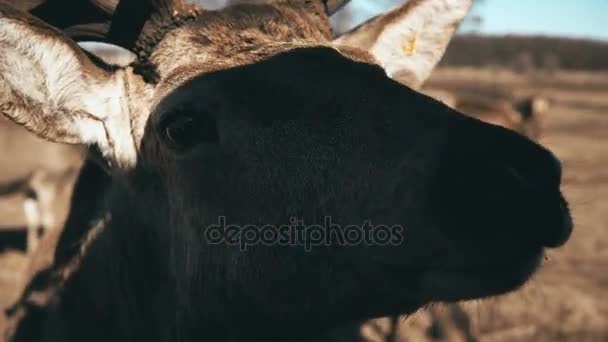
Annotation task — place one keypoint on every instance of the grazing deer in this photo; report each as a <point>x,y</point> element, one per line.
<point>525,115</point>
<point>533,110</point>
<point>254,114</point>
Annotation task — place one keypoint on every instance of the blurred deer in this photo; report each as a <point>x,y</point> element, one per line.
<point>39,170</point>
<point>525,115</point>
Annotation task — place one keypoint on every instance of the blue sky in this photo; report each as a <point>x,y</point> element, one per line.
<point>574,18</point>
<point>581,18</point>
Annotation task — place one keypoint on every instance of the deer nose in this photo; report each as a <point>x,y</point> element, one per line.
<point>535,173</point>
<point>527,162</point>
<point>509,183</point>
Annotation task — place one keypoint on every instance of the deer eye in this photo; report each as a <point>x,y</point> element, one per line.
<point>184,131</point>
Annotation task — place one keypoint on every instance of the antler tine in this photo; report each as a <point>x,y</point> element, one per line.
<point>138,25</point>
<point>128,21</point>
<point>113,21</point>
<point>80,19</point>
<point>63,13</point>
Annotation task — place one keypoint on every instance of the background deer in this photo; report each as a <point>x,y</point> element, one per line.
<point>525,115</point>
<point>231,153</point>
<point>39,170</point>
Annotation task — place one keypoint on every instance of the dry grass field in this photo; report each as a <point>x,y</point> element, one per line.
<point>568,299</point>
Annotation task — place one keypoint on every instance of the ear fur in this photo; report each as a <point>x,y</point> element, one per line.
<point>50,86</point>
<point>409,41</point>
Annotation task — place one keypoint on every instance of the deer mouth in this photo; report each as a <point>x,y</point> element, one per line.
<point>478,282</point>
<point>507,257</point>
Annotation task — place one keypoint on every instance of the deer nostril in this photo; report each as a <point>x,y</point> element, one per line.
<point>557,166</point>
<point>540,171</point>
<point>513,174</point>
<point>541,206</point>
<point>550,169</point>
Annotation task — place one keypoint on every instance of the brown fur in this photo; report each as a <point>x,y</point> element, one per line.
<point>239,35</point>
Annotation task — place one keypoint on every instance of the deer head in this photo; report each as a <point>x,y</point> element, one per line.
<point>256,115</point>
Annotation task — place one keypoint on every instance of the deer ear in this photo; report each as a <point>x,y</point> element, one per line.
<point>409,41</point>
<point>51,86</point>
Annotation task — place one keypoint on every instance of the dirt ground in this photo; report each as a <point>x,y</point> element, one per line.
<point>568,299</point>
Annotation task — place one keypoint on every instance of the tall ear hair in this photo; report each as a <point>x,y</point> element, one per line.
<point>409,41</point>
<point>50,86</point>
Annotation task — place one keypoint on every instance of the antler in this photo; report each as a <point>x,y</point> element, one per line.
<point>82,20</point>
<point>63,14</point>
<point>138,25</point>
<point>128,22</point>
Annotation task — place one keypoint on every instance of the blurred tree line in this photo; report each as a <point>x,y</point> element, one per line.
<point>523,53</point>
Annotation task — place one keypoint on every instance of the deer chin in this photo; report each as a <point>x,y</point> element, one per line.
<point>470,283</point>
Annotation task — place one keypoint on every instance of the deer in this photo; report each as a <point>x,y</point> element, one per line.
<point>256,114</point>
<point>43,281</point>
<point>48,169</point>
